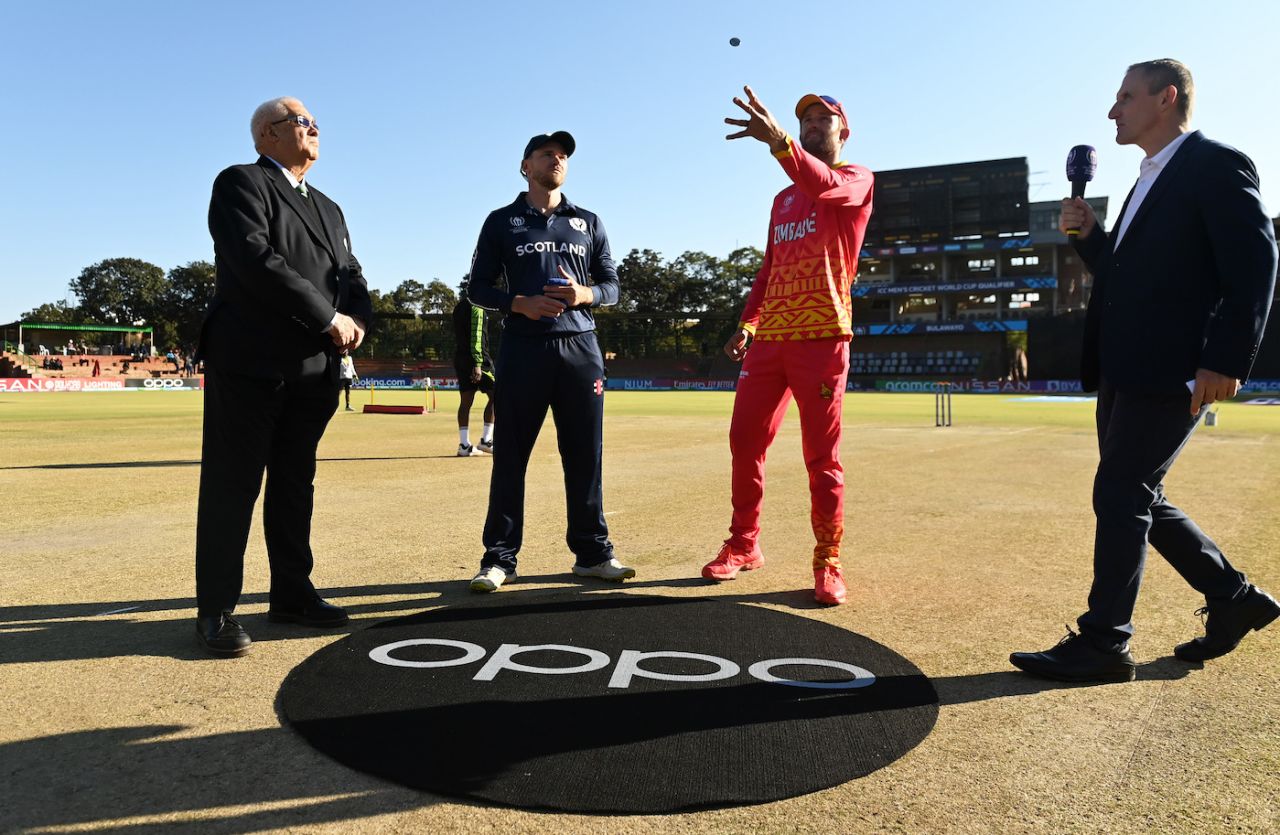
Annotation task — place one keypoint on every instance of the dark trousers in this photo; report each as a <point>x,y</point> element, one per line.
<point>565,373</point>
<point>1139,438</point>
<point>254,425</point>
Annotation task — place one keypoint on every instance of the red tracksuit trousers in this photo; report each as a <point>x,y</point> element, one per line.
<point>813,371</point>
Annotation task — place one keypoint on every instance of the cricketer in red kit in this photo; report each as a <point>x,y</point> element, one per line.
<point>796,324</point>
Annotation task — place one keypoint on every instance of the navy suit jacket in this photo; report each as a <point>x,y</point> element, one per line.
<point>282,273</point>
<point>1190,284</point>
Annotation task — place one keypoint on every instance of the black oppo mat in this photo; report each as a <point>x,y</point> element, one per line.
<point>612,703</point>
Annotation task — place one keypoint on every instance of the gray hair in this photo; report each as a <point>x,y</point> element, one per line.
<point>267,112</point>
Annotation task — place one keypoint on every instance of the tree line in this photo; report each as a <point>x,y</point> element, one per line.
<point>129,291</point>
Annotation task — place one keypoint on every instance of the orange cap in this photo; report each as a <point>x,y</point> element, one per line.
<point>827,102</point>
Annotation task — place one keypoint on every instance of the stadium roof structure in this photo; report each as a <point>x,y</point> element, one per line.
<point>20,326</point>
<point>63,326</point>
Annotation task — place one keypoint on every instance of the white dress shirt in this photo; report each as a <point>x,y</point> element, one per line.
<point>293,181</point>
<point>1148,172</point>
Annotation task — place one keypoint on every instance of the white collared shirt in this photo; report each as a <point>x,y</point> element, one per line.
<point>288,175</point>
<point>1148,171</point>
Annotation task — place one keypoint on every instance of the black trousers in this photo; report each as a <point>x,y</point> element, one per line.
<point>254,425</point>
<point>1139,438</point>
<point>565,374</point>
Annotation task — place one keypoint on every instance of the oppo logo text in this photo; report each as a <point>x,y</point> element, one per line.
<point>629,665</point>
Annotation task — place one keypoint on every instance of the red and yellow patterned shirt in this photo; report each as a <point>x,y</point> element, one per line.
<point>811,260</point>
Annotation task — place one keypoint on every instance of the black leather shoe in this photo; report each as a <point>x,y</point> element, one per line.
<point>317,613</point>
<point>1075,658</point>
<point>222,636</point>
<point>1228,623</point>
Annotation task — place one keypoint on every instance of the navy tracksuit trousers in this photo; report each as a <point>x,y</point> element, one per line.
<point>565,373</point>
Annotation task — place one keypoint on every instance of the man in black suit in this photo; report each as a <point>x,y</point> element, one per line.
<point>1182,288</point>
<point>290,295</point>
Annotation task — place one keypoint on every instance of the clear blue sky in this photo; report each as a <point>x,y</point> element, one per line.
<point>118,115</point>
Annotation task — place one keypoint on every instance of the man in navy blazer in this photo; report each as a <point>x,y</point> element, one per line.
<point>1182,288</point>
<point>289,296</point>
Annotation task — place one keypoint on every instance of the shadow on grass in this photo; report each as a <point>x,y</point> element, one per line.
<point>129,779</point>
<point>126,465</point>
<point>104,465</point>
<point>126,780</point>
<point>73,631</point>
<point>136,779</point>
<point>957,690</point>
<point>109,629</point>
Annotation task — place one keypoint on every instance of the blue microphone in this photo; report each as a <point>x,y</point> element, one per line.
<point>1082,164</point>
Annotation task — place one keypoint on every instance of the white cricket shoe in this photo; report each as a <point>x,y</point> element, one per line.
<point>485,446</point>
<point>610,569</point>
<point>466,451</point>
<point>489,579</point>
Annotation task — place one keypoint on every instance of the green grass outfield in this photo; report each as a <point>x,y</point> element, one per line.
<point>32,415</point>
<point>962,545</point>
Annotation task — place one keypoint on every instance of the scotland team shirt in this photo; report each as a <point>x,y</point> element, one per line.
<point>520,249</point>
<point>816,229</point>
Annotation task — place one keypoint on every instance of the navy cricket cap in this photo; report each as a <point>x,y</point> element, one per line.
<point>560,136</point>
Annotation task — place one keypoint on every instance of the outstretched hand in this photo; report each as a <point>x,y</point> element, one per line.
<point>759,123</point>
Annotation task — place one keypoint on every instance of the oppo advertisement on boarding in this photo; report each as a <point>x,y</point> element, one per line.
<point>99,384</point>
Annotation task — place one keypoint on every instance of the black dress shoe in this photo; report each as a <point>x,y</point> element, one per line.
<point>222,636</point>
<point>1076,658</point>
<point>315,613</point>
<point>1228,623</point>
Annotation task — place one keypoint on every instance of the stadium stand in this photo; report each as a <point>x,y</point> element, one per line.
<point>78,365</point>
<point>13,365</point>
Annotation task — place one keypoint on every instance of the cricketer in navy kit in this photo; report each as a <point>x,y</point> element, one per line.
<point>545,262</point>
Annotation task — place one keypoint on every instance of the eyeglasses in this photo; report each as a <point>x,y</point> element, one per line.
<point>301,121</point>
